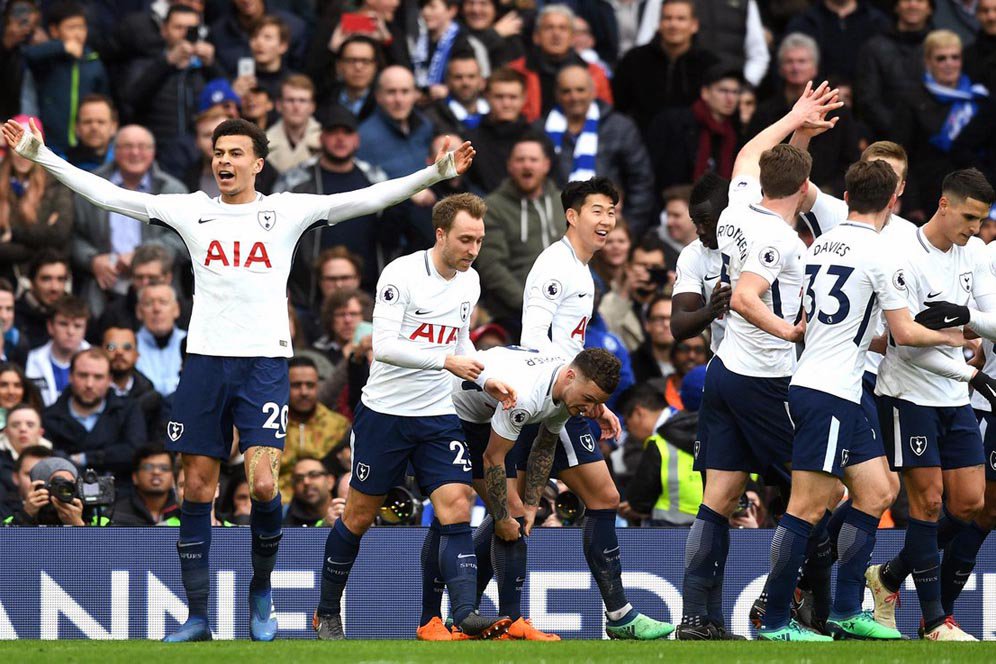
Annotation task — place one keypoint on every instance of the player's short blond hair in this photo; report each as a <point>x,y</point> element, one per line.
<point>887,150</point>
<point>446,210</point>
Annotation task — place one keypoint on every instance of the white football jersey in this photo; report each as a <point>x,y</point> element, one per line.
<point>956,275</point>
<point>698,272</point>
<point>850,281</point>
<point>241,257</point>
<point>430,316</point>
<point>753,239</point>
<point>531,374</point>
<point>989,258</point>
<point>558,285</point>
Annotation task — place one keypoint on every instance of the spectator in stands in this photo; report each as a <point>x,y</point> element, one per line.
<point>15,389</point>
<point>610,263</point>
<point>236,502</point>
<point>92,426</point>
<point>553,40</point>
<point>334,171</point>
<point>151,497</point>
<point>957,16</point>
<point>684,356</point>
<point>19,24</point>
<point>498,131</point>
<point>840,28</point>
<point>159,337</point>
<point>49,275</point>
<point>219,93</point>
<point>347,343</point>
<point>488,336</point>
<point>64,70</point>
<point>269,43</point>
<point>980,57</point>
<point>416,225</point>
<point>13,344</point>
<point>653,358</point>
<point>668,71</point>
<point>258,108</point>
<point>463,107</point>
<point>231,34</point>
<point>646,278</point>
<point>152,263</point>
<point>589,137</point>
<point>500,35</point>
<point>163,90</point>
<point>524,217</point>
<point>597,335</point>
<point>36,212</point>
<point>438,40</point>
<point>104,242</point>
<point>21,431</point>
<point>342,314</point>
<point>833,151</point>
<point>127,381</point>
<point>357,63</point>
<point>677,230</point>
<point>684,143</point>
<point>34,469</point>
<point>890,65</point>
<point>295,137</point>
<point>312,492</point>
<point>396,137</point>
<point>585,45</point>
<point>96,125</point>
<point>733,31</point>
<point>48,366</point>
<point>930,120</point>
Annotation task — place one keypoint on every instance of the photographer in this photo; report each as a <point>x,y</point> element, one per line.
<point>49,495</point>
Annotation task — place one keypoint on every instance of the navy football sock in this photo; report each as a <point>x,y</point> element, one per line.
<point>948,527</point>
<point>715,603</point>
<point>816,570</point>
<point>920,553</point>
<point>959,561</point>
<point>341,549</point>
<point>482,547</point>
<point>510,572</point>
<point>788,553</point>
<point>855,545</point>
<point>834,525</point>
<point>264,522</point>
<point>432,579</point>
<point>601,550</point>
<point>704,555</point>
<point>459,566</point>
<point>193,548</point>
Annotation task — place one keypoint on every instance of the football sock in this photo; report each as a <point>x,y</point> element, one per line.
<point>510,572</point>
<point>715,602</point>
<point>193,547</point>
<point>459,566</point>
<point>482,547</point>
<point>948,527</point>
<point>601,550</point>
<point>788,553</point>
<point>264,522</point>
<point>920,552</point>
<point>341,549</point>
<point>855,545</point>
<point>834,525</point>
<point>959,561</point>
<point>707,541</point>
<point>432,581</point>
<point>816,570</point>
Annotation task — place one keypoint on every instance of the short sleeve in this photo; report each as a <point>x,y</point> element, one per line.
<point>889,282</point>
<point>557,423</point>
<point>688,274</point>
<point>827,213</point>
<point>508,423</point>
<point>984,281</point>
<point>392,295</point>
<point>769,255</point>
<point>744,191</point>
<point>543,288</point>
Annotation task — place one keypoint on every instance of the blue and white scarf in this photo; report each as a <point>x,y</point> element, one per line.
<point>963,107</point>
<point>586,145</point>
<point>432,72</point>
<point>468,120</point>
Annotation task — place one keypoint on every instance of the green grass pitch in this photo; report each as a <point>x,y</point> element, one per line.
<point>135,652</point>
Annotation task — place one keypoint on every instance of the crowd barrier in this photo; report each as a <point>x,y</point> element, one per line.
<point>124,583</point>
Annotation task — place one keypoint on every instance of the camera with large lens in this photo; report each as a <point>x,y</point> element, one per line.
<point>569,508</point>
<point>95,490</point>
<point>400,508</point>
<point>61,489</point>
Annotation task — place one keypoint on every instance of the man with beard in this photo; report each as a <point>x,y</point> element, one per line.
<point>313,430</point>
<point>49,273</point>
<point>334,170</point>
<point>312,493</point>
<point>152,497</point>
<point>127,381</point>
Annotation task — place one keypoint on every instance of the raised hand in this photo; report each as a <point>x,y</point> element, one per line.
<point>814,104</point>
<point>462,158</point>
<point>13,133</point>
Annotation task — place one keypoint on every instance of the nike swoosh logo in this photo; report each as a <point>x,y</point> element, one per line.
<point>204,221</point>
<point>606,552</point>
<point>963,573</point>
<point>950,320</point>
<point>924,571</point>
<point>419,312</point>
<point>708,278</point>
<point>335,562</point>
<point>186,544</point>
<point>521,579</point>
<point>582,294</point>
<point>930,295</point>
<point>466,555</point>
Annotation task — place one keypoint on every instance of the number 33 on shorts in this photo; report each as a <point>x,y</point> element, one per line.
<point>276,418</point>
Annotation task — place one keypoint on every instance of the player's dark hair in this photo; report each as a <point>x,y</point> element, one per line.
<point>642,395</point>
<point>709,197</point>
<point>446,210</point>
<point>94,353</point>
<point>63,11</point>
<point>576,193</point>
<point>146,451</point>
<point>600,367</point>
<point>31,452</point>
<point>301,361</point>
<point>870,186</point>
<point>69,306</point>
<point>783,170</point>
<point>43,258</point>
<point>968,183</point>
<point>240,127</point>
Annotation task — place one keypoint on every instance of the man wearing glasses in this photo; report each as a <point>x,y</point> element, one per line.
<point>152,497</point>
<point>312,493</point>
<point>127,381</point>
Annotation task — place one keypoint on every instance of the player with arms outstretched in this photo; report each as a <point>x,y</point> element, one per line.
<point>241,245</point>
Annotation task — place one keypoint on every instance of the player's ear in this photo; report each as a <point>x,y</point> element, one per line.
<point>258,166</point>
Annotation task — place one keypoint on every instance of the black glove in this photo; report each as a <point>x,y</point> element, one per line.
<point>939,315</point>
<point>986,386</point>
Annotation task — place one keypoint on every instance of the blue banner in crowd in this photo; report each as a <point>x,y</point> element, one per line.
<point>119,583</point>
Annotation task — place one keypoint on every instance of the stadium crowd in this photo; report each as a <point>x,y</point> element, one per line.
<point>94,305</point>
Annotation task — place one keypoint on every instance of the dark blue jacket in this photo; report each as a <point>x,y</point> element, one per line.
<point>384,144</point>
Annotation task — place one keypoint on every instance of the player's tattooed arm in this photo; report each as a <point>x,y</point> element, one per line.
<point>497,490</point>
<point>539,465</point>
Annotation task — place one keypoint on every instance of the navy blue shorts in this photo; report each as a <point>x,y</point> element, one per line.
<point>383,445</point>
<point>577,446</point>
<point>746,423</point>
<point>830,433</point>
<point>477,435</point>
<point>987,427</point>
<point>869,404</point>
<point>217,393</point>
<point>928,436</point>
